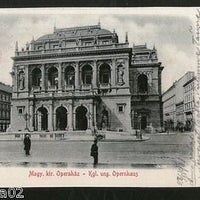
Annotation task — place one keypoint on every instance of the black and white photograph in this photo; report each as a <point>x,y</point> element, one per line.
<point>107,95</point>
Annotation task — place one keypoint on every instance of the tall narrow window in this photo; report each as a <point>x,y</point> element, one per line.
<point>36,77</point>
<point>70,75</point>
<point>87,74</point>
<point>142,83</point>
<point>104,73</point>
<point>53,76</point>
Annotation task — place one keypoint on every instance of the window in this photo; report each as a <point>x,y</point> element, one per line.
<point>104,73</point>
<point>142,83</point>
<point>70,76</point>
<point>121,108</point>
<point>87,74</point>
<point>105,42</point>
<point>20,110</point>
<point>88,43</point>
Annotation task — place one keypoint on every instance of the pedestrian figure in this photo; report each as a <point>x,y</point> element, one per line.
<point>27,144</point>
<point>94,153</point>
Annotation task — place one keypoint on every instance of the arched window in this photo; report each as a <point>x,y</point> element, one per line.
<point>53,76</point>
<point>142,83</point>
<point>69,75</point>
<point>87,74</point>
<point>104,73</point>
<point>36,77</point>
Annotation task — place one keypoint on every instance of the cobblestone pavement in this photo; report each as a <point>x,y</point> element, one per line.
<point>159,151</point>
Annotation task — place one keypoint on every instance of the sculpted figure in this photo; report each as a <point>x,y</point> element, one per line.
<point>21,81</point>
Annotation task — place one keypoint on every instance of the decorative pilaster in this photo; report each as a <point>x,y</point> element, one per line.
<point>50,118</point>
<point>74,118</point>
<point>70,117</point>
<point>94,78</point>
<point>26,71</point>
<point>90,116</point>
<point>31,119</point>
<point>59,76</point>
<point>43,76</point>
<point>126,75</point>
<point>95,115</point>
<point>76,76</point>
<point>113,73</point>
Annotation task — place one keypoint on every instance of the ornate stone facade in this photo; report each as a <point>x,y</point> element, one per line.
<point>74,79</point>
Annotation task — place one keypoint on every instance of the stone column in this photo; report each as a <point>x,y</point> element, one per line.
<point>95,114</point>
<point>59,76</point>
<point>77,86</point>
<point>70,117</point>
<point>43,76</point>
<point>94,77</point>
<point>91,116</point>
<point>50,118</point>
<point>39,121</point>
<point>26,71</point>
<point>113,73</point>
<point>31,119</point>
<point>54,121</point>
<point>74,118</point>
<point>126,72</point>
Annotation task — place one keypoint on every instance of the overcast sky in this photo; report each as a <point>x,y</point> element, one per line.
<point>167,29</point>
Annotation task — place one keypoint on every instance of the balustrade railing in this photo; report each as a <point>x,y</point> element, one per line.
<point>71,49</point>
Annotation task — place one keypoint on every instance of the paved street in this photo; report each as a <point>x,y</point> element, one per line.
<point>159,151</point>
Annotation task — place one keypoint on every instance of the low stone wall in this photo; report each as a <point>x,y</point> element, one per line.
<point>55,135</point>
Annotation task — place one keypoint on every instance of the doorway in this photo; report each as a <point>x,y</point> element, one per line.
<point>61,118</point>
<point>42,118</point>
<point>81,118</point>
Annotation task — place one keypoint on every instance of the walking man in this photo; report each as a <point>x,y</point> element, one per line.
<point>94,153</point>
<point>27,144</point>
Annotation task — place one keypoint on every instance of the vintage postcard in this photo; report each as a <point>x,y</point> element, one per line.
<point>99,97</point>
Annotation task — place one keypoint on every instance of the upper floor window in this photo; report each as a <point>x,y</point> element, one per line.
<point>53,76</point>
<point>36,77</point>
<point>142,83</point>
<point>87,74</point>
<point>105,42</point>
<point>88,43</point>
<point>69,75</point>
<point>104,73</point>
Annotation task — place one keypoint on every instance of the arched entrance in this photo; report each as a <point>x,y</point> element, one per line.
<point>81,118</point>
<point>42,119</point>
<point>61,118</point>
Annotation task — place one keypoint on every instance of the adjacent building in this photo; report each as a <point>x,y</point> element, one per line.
<point>189,100</point>
<point>83,77</point>
<point>5,104</point>
<point>178,103</point>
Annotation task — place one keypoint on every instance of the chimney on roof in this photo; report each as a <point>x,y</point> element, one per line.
<point>16,46</point>
<point>99,23</point>
<point>54,28</point>
<point>126,39</point>
<point>154,48</point>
